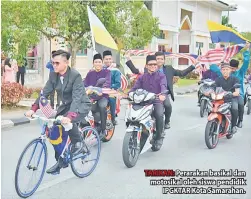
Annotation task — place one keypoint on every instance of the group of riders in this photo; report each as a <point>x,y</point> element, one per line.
<point>76,95</point>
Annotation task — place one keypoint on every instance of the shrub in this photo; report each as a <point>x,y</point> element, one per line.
<point>11,94</point>
<point>28,92</point>
<point>37,90</point>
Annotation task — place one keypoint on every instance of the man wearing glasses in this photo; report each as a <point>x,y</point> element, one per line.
<point>154,82</point>
<point>75,102</point>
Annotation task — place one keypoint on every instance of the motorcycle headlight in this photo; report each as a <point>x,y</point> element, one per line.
<point>138,98</point>
<point>213,96</point>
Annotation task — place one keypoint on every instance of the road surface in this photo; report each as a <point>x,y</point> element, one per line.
<point>184,148</point>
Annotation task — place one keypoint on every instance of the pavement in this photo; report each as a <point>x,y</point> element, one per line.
<point>16,118</point>
<point>184,148</point>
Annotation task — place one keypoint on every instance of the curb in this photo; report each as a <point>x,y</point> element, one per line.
<point>187,91</point>
<point>5,124</point>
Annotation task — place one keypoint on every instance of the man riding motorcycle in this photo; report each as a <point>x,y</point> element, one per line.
<point>91,80</point>
<point>240,74</point>
<point>115,82</point>
<point>227,82</point>
<point>154,82</point>
<point>75,103</point>
<point>169,72</point>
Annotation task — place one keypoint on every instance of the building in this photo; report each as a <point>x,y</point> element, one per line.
<point>183,26</point>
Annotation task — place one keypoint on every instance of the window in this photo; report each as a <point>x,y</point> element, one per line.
<point>32,62</point>
<point>183,49</point>
<point>212,46</point>
<point>199,44</point>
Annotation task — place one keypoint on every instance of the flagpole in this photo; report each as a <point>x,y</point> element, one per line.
<point>93,41</point>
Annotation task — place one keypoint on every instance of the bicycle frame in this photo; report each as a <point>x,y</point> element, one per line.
<point>67,156</point>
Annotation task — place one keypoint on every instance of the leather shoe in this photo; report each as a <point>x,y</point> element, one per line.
<point>55,169</point>
<point>167,125</point>
<point>239,125</point>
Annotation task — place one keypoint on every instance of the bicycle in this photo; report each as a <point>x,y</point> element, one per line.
<point>88,134</point>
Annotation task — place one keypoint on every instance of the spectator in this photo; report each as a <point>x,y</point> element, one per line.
<point>21,72</point>
<point>2,69</point>
<point>8,72</point>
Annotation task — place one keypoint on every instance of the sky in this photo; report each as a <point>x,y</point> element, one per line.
<point>242,17</point>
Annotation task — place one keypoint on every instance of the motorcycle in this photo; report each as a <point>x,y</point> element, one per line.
<point>203,97</point>
<point>93,117</point>
<point>219,120</point>
<point>248,97</point>
<point>140,125</point>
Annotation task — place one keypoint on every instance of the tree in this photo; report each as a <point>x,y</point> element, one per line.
<point>225,22</point>
<point>247,35</point>
<point>69,20</point>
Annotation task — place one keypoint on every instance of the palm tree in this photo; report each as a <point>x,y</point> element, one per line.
<point>224,22</point>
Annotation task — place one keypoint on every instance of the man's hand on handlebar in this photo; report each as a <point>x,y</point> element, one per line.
<point>162,97</point>
<point>29,113</point>
<point>65,120</point>
<point>88,91</point>
<point>236,93</point>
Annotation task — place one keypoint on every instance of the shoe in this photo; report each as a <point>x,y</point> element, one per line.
<point>114,122</point>
<point>239,125</point>
<point>55,169</point>
<point>167,125</point>
<point>234,130</point>
<point>77,148</point>
<point>157,144</point>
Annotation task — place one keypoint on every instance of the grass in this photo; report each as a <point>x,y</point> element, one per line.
<point>186,82</point>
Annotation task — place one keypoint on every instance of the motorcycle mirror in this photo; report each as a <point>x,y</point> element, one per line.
<point>100,82</point>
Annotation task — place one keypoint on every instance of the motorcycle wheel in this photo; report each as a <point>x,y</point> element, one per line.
<point>109,135</point>
<point>130,152</point>
<point>249,107</point>
<point>203,108</point>
<point>110,132</point>
<point>211,127</point>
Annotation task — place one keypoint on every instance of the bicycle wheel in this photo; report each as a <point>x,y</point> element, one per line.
<point>36,152</point>
<point>92,141</point>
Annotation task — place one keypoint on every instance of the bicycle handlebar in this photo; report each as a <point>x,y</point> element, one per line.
<point>58,119</point>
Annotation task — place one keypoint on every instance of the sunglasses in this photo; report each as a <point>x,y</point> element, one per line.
<point>152,64</point>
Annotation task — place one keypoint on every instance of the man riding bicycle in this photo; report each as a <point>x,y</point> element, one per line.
<point>91,80</point>
<point>75,103</point>
<point>227,83</point>
<point>154,82</point>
